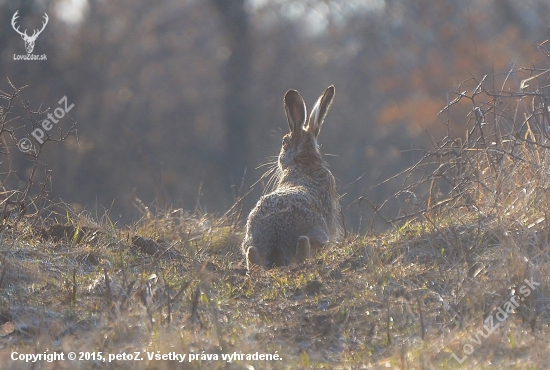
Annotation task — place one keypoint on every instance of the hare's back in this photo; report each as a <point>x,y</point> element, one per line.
<point>286,201</point>
<point>282,217</point>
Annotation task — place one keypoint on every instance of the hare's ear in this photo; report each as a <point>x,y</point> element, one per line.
<point>319,111</point>
<point>295,109</point>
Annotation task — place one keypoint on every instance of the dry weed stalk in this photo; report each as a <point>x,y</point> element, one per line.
<point>499,166</point>
<point>478,203</point>
<point>15,201</point>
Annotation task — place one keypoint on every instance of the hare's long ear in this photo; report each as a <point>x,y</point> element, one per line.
<point>295,109</point>
<point>319,111</point>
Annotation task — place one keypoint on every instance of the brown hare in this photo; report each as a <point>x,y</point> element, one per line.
<point>302,214</point>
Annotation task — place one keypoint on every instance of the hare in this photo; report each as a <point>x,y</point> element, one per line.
<point>302,214</point>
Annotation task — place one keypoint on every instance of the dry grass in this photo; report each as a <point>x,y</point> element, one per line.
<point>476,232</point>
<point>405,299</point>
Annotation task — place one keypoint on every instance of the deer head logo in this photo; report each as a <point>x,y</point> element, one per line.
<point>29,40</point>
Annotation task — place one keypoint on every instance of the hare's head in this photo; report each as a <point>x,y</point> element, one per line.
<point>300,146</point>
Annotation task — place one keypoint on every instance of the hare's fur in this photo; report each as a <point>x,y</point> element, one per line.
<point>302,214</point>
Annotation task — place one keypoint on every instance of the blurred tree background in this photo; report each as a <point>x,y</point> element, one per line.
<point>175,99</point>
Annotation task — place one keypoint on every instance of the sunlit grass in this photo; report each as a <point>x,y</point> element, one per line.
<point>356,304</point>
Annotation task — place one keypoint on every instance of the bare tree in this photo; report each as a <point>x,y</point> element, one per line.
<point>237,77</point>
